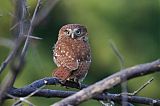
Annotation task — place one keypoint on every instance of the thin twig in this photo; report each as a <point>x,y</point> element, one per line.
<point>118,54</point>
<point>24,99</point>
<point>34,37</point>
<point>30,29</point>
<point>44,11</point>
<point>122,65</point>
<point>143,86</point>
<point>14,26</point>
<point>140,88</point>
<point>11,14</point>
<point>11,55</point>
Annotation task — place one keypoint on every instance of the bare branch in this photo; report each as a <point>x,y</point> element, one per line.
<point>24,99</point>
<point>10,56</point>
<point>118,54</point>
<point>143,86</point>
<point>20,5</point>
<point>34,37</point>
<point>29,89</point>
<point>63,94</point>
<point>16,67</point>
<point>24,50</point>
<point>109,82</point>
<point>139,89</point>
<point>44,11</point>
<point>122,65</point>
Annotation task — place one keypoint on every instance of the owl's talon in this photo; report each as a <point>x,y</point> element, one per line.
<point>79,85</point>
<point>62,82</point>
<point>78,82</point>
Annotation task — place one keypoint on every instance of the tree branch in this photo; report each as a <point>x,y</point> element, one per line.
<point>22,92</point>
<point>93,91</point>
<point>109,82</point>
<point>16,67</point>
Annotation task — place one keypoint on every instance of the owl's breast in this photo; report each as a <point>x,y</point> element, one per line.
<point>70,50</point>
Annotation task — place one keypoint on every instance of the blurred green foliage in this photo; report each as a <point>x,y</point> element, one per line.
<point>133,25</point>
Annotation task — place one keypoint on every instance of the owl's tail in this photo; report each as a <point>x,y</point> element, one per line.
<point>62,73</point>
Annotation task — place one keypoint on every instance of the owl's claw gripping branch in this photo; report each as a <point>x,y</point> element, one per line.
<point>72,84</point>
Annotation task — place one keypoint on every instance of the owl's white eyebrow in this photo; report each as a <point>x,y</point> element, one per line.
<point>69,29</point>
<point>75,29</point>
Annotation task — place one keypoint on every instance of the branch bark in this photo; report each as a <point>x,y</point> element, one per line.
<point>27,90</point>
<point>109,82</point>
<point>22,92</point>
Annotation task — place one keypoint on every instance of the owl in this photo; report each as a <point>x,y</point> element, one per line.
<point>72,53</point>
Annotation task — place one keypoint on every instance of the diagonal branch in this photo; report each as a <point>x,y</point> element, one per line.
<point>109,82</point>
<point>21,12</point>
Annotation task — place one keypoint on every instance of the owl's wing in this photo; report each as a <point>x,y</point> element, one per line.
<point>65,56</point>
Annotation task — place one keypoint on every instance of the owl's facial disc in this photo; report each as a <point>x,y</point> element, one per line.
<point>73,33</point>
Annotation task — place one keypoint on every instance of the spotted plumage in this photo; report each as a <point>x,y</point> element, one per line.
<point>72,53</point>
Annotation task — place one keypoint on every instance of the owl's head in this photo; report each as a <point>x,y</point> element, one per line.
<point>74,31</point>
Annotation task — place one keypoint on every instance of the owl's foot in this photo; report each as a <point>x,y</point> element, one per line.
<point>62,82</point>
<point>78,82</point>
<point>79,85</point>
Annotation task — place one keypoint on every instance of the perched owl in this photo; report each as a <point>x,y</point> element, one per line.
<point>72,53</point>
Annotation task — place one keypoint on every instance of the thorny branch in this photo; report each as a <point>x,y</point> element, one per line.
<point>24,50</point>
<point>21,7</point>
<point>23,33</point>
<point>16,68</point>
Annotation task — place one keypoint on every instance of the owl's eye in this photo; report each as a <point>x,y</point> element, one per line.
<point>67,32</point>
<point>77,32</point>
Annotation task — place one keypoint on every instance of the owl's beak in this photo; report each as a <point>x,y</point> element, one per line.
<point>72,35</point>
